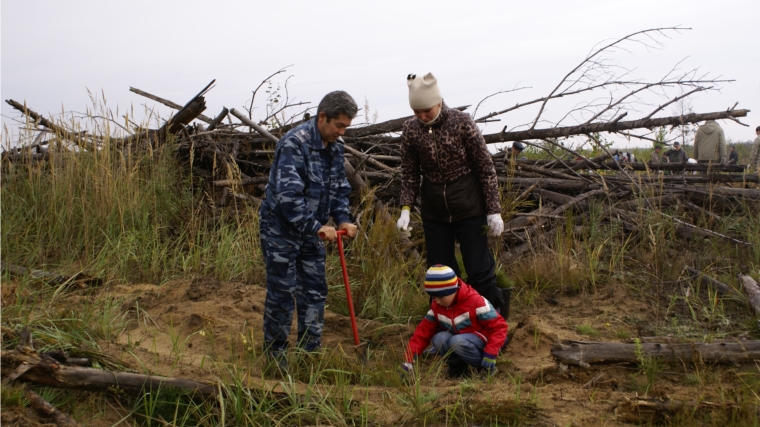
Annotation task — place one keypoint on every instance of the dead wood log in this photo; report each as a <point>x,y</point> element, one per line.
<point>753,294</point>
<point>171,104</point>
<point>56,279</point>
<point>217,120</point>
<point>44,408</point>
<point>658,201</point>
<point>389,126</point>
<point>657,409</point>
<point>520,222</point>
<point>186,114</point>
<point>580,353</point>
<point>700,209</point>
<point>253,125</point>
<point>720,287</point>
<point>244,181</point>
<point>76,138</point>
<point>613,126</point>
<point>554,184</point>
<point>548,172</point>
<point>25,364</point>
<point>565,206</point>
<point>45,370</point>
<point>356,181</point>
<point>368,158</point>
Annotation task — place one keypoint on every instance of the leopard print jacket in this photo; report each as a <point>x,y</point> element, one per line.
<point>443,152</point>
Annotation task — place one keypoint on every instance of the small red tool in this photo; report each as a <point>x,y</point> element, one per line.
<point>348,287</point>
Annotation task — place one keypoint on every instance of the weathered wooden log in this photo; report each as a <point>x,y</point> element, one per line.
<point>657,202</point>
<point>170,104</point>
<point>44,408</point>
<point>244,181</point>
<point>257,128</point>
<point>217,120</point>
<point>749,285</point>
<point>51,278</point>
<point>549,183</point>
<point>354,179</point>
<point>720,287</point>
<point>521,222</point>
<point>186,114</point>
<point>45,370</point>
<point>76,138</point>
<point>389,126</point>
<point>580,353</point>
<point>656,409</point>
<point>612,126</point>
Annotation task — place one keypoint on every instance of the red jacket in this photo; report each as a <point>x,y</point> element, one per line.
<point>469,313</point>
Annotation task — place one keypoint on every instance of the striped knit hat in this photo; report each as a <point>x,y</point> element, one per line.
<point>441,281</point>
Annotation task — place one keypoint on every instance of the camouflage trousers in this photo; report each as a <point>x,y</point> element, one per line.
<point>295,278</point>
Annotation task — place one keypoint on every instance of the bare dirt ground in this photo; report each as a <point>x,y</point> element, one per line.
<point>198,328</point>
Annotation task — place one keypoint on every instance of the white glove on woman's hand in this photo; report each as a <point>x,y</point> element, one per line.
<point>403,220</point>
<point>495,224</point>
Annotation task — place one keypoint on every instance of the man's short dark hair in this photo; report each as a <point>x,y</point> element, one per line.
<point>336,103</point>
<point>757,129</point>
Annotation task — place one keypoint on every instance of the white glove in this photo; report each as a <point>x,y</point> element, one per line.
<point>495,224</point>
<point>403,220</point>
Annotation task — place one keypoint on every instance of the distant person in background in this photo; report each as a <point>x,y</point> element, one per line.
<point>656,157</point>
<point>676,155</point>
<point>624,157</point>
<point>733,156</point>
<point>754,155</point>
<point>514,152</point>
<point>710,143</point>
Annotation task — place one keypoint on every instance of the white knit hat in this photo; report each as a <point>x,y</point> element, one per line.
<point>423,91</point>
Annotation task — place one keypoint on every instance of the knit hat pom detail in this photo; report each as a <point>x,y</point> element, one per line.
<point>423,91</point>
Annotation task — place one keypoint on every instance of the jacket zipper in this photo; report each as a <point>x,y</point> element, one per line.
<point>438,162</point>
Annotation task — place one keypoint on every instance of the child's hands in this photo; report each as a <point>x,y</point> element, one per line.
<point>406,370</point>
<point>489,362</point>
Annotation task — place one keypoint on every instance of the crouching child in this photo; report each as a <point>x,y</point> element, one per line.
<point>462,326</point>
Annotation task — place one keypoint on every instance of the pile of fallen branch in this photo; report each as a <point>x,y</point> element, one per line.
<point>233,153</point>
<point>235,165</point>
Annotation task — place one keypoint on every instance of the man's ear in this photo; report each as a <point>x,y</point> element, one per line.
<point>322,117</point>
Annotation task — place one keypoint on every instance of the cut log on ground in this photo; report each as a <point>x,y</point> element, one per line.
<point>656,409</point>
<point>750,287</point>
<point>580,353</point>
<point>44,408</point>
<point>720,287</point>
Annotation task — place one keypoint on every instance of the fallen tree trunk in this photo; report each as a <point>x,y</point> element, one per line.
<point>55,279</point>
<point>168,103</point>
<point>580,353</point>
<point>720,287</point>
<point>44,370</point>
<point>649,410</point>
<point>612,126</point>
<point>44,408</point>
<point>753,294</point>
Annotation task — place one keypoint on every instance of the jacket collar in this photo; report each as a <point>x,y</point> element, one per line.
<point>438,123</point>
<point>316,138</point>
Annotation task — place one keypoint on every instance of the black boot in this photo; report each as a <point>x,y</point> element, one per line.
<point>457,368</point>
<point>506,294</point>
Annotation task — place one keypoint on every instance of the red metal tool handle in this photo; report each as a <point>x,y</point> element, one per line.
<point>348,287</point>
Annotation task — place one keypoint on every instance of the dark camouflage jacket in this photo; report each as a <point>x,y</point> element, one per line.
<point>676,156</point>
<point>445,153</point>
<point>307,182</point>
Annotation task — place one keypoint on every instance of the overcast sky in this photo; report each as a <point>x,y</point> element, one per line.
<point>54,51</point>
